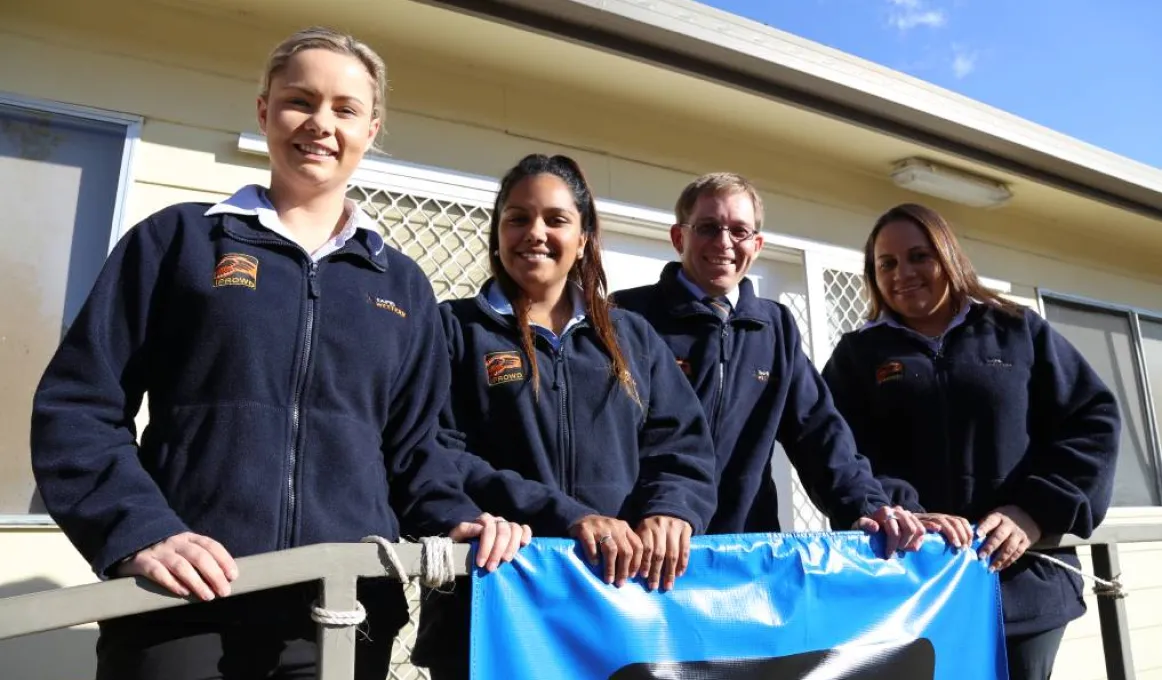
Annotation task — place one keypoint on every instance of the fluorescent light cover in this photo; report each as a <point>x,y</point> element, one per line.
<point>926,177</point>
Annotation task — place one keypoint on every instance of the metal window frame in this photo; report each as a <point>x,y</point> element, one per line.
<point>1142,376</point>
<point>117,226</point>
<point>132,124</point>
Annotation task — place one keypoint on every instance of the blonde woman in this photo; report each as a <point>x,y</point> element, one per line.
<point>295,371</point>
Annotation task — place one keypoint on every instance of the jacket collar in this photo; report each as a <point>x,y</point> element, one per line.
<point>486,300</point>
<point>365,244</point>
<point>680,302</point>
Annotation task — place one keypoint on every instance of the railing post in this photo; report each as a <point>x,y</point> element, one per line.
<point>1115,627</point>
<point>337,644</point>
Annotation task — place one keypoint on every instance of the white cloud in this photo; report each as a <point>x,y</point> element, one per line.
<point>963,62</point>
<point>908,14</point>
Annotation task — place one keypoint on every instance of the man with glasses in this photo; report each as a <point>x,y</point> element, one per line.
<point>744,356</point>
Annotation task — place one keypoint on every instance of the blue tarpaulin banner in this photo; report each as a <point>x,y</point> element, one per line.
<point>786,606</point>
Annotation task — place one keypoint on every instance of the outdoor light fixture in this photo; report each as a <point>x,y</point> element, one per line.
<point>941,181</point>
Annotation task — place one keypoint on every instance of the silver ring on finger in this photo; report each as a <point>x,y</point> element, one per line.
<point>603,539</point>
<point>889,514</point>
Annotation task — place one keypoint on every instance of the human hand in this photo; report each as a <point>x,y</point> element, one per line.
<point>665,549</point>
<point>1008,532</point>
<point>619,546</point>
<point>499,539</point>
<point>902,530</point>
<point>955,529</point>
<point>184,564</point>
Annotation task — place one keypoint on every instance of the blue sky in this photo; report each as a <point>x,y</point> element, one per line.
<point>1091,69</point>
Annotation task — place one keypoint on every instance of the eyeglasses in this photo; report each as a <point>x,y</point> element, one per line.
<point>711,230</point>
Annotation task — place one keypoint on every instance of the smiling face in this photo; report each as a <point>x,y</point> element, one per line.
<point>716,263</point>
<point>909,275</point>
<point>540,236</point>
<point>318,118</point>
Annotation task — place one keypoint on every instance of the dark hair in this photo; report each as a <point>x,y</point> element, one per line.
<point>963,282</point>
<point>587,270</point>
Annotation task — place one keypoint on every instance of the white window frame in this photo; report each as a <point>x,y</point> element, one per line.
<point>117,225</point>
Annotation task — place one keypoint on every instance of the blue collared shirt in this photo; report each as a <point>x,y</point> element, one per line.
<point>252,200</point>
<point>502,305</point>
<point>696,291</point>
<point>886,318</point>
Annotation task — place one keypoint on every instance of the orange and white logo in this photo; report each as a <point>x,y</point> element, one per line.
<point>503,367</point>
<point>236,269</point>
<point>388,305</point>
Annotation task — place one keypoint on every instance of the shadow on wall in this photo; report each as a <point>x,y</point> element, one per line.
<point>55,655</point>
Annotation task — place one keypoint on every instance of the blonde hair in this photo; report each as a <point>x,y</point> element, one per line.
<point>322,38</point>
<point>717,184</point>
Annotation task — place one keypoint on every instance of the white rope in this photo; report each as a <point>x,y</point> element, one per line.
<point>398,571</point>
<point>339,619</point>
<point>439,569</point>
<point>1101,587</point>
<point>436,566</point>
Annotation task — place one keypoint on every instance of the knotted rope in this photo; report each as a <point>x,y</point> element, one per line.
<point>1101,587</point>
<point>437,569</point>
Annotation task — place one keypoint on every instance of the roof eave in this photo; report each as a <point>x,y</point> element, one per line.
<point>704,42</point>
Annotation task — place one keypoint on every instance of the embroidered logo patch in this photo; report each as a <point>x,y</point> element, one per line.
<point>236,269</point>
<point>892,370</point>
<point>388,305</point>
<point>685,366</point>
<point>503,367</point>
<point>762,376</point>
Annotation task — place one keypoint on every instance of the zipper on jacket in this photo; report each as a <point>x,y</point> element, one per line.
<point>723,358</point>
<point>938,366</point>
<point>565,438</point>
<point>567,456</point>
<point>296,404</point>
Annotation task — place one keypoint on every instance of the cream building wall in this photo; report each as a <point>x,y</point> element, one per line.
<point>195,101</point>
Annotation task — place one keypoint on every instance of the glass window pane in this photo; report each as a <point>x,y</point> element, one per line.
<point>58,185</point>
<point>1152,352</point>
<point>1104,338</point>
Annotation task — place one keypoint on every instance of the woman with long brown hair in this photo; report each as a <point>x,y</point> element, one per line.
<point>972,410</point>
<point>552,383</point>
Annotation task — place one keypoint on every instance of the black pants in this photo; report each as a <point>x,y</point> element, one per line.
<point>1031,656</point>
<point>451,671</point>
<point>250,637</point>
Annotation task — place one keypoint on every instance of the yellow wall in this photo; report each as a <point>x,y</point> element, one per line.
<point>196,103</point>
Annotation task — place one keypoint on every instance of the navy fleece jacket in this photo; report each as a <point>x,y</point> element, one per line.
<point>757,386</point>
<point>1005,412</point>
<point>583,435</point>
<point>290,402</point>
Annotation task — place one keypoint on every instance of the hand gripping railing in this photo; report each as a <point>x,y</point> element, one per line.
<point>335,565</point>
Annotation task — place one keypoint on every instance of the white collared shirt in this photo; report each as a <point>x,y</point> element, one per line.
<point>252,200</point>
<point>886,318</point>
<point>503,306</point>
<point>731,295</point>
